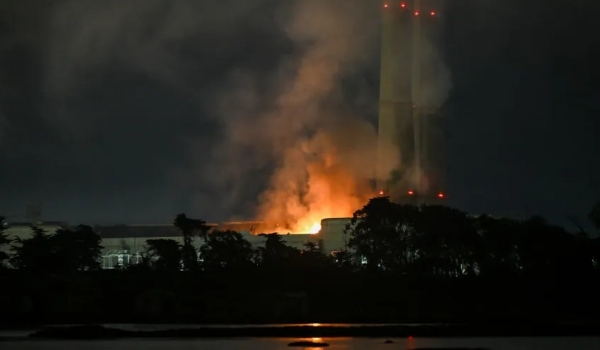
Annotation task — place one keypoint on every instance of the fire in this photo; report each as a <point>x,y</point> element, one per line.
<point>318,179</point>
<point>316,227</point>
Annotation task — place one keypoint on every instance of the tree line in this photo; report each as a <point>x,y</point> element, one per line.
<point>430,240</point>
<point>402,263</point>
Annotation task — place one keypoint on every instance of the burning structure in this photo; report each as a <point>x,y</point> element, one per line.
<point>409,140</point>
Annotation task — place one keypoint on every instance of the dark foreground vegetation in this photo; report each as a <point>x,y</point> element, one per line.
<point>403,264</point>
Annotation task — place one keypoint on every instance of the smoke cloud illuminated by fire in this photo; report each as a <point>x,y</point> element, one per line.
<point>322,154</point>
<point>323,177</point>
<point>326,174</point>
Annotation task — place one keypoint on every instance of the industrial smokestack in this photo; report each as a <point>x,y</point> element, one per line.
<point>395,142</point>
<point>409,146</point>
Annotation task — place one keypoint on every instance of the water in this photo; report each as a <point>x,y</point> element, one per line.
<point>558,343</point>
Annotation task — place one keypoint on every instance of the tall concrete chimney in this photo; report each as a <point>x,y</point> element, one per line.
<point>408,138</point>
<point>396,144</point>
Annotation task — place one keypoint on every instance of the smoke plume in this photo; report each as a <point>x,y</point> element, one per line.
<point>322,153</point>
<point>279,88</point>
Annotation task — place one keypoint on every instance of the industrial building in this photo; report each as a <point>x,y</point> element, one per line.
<point>124,244</point>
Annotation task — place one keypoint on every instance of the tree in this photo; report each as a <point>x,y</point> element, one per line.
<point>4,241</point>
<point>36,254</point>
<point>226,250</point>
<point>446,242</point>
<point>311,257</point>
<point>77,250</point>
<point>275,252</point>
<point>383,234</point>
<point>166,254</point>
<point>189,229</point>
<point>499,254</point>
<point>342,259</point>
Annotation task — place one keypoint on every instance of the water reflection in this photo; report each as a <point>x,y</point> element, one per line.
<point>562,343</point>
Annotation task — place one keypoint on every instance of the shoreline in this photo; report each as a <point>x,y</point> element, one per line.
<point>362,331</point>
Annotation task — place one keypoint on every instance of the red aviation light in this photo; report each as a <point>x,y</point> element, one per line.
<point>381,193</point>
<point>403,5</point>
<point>417,13</point>
<point>432,13</point>
<point>411,192</point>
<point>441,195</point>
<point>385,5</point>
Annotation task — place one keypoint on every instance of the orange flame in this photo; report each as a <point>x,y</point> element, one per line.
<point>318,179</point>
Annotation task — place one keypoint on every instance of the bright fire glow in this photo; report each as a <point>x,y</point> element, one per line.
<point>322,177</point>
<point>316,227</point>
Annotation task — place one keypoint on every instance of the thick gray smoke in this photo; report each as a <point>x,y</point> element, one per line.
<point>276,135</point>
<point>322,154</point>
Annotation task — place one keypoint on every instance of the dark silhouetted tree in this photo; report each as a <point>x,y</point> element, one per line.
<point>383,233</point>
<point>275,253</point>
<point>36,254</point>
<point>343,259</point>
<point>447,241</point>
<point>4,242</point>
<point>77,250</point>
<point>190,228</point>
<point>226,250</point>
<point>499,253</point>
<point>164,254</point>
<point>311,257</point>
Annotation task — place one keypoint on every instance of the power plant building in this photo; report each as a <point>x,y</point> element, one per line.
<point>125,244</point>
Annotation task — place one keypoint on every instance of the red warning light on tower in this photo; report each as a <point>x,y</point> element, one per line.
<point>403,5</point>
<point>441,195</point>
<point>411,192</point>
<point>417,13</point>
<point>385,5</point>
<point>381,193</point>
<point>432,13</point>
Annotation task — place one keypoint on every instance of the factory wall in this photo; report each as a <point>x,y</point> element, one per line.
<point>123,244</point>
<point>332,234</point>
<point>123,250</point>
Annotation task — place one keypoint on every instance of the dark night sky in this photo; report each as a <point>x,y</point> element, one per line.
<point>109,110</point>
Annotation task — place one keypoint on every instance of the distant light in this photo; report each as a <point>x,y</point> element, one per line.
<point>410,337</point>
<point>411,192</point>
<point>417,13</point>
<point>385,5</point>
<point>441,195</point>
<point>381,193</point>
<point>402,5</point>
